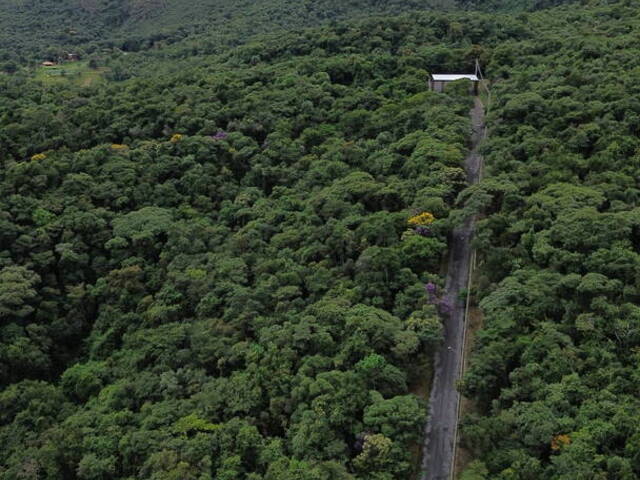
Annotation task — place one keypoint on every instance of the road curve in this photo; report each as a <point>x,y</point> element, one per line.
<point>440,431</point>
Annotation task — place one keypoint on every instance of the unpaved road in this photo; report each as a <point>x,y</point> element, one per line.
<point>440,430</point>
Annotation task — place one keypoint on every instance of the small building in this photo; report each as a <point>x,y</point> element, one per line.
<point>438,81</point>
<point>73,57</point>
<point>48,64</point>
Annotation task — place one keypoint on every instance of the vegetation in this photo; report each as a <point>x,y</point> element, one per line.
<point>79,72</point>
<point>213,274</point>
<point>555,371</point>
<point>97,27</point>
<point>224,262</point>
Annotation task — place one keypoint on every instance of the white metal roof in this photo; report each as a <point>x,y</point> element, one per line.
<point>447,77</point>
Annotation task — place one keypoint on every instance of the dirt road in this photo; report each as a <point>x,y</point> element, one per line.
<point>440,430</point>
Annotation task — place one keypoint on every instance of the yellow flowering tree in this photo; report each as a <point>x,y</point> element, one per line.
<point>176,137</point>
<point>560,441</point>
<point>38,157</point>
<point>422,219</point>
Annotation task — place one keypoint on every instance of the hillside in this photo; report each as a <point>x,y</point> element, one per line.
<point>89,26</point>
<point>228,262</point>
<point>94,27</point>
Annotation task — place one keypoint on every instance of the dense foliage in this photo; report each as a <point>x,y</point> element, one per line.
<point>36,30</point>
<point>221,273</point>
<point>217,269</point>
<point>556,369</point>
<point>98,28</point>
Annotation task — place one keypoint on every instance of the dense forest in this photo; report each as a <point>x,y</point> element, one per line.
<point>221,273</point>
<point>97,28</point>
<point>227,262</point>
<point>556,368</point>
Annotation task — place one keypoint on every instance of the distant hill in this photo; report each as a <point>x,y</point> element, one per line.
<point>88,26</point>
<point>137,24</point>
<point>512,5</point>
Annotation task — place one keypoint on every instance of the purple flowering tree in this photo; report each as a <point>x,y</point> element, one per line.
<point>445,306</point>
<point>221,135</point>
<point>423,231</point>
<point>431,288</point>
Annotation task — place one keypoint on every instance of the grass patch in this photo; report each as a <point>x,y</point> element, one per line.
<point>75,72</point>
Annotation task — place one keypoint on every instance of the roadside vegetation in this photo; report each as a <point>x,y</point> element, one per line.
<point>555,369</point>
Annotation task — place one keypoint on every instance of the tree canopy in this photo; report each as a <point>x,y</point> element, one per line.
<point>212,273</point>
<point>224,259</point>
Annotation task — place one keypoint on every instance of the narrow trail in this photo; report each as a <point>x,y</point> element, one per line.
<point>440,431</point>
